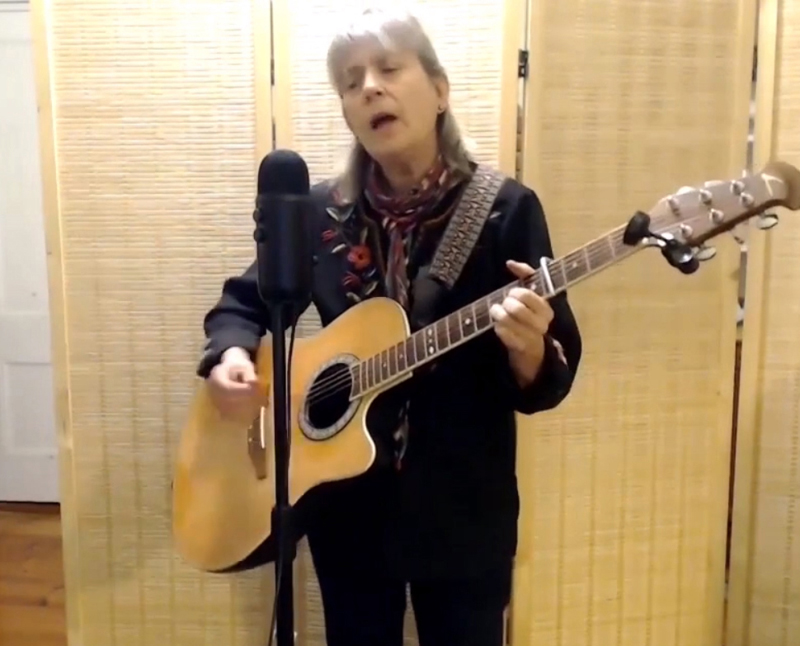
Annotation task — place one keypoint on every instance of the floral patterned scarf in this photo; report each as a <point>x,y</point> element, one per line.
<point>402,214</point>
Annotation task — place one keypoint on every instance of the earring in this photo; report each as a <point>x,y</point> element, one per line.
<point>441,109</point>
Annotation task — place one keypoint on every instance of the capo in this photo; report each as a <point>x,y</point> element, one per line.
<point>547,281</point>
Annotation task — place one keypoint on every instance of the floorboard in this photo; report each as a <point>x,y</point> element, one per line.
<point>31,576</point>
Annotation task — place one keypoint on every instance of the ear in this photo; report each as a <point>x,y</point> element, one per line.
<point>442,87</point>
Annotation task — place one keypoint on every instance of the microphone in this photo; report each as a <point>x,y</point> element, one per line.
<point>282,234</point>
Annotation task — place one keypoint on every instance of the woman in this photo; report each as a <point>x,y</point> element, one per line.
<point>444,517</point>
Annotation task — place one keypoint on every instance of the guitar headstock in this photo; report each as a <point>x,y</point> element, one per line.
<point>681,223</point>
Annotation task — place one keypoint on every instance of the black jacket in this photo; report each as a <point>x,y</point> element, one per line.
<point>452,509</point>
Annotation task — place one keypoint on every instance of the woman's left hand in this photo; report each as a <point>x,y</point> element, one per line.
<point>523,318</point>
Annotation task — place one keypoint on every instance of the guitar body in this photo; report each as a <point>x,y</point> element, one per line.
<point>224,485</point>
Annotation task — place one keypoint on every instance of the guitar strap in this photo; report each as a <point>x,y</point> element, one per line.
<point>463,229</point>
<point>458,241</point>
<point>465,225</point>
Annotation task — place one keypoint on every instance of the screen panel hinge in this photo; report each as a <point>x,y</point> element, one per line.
<point>522,64</point>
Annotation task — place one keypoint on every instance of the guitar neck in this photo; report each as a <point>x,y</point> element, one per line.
<point>434,340</point>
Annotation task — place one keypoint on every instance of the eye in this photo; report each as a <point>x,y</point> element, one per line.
<point>350,83</point>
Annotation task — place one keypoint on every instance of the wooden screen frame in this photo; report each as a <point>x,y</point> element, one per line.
<point>727,254</point>
<point>744,508</point>
<point>514,12</point>
<point>264,115</point>
<point>58,311</point>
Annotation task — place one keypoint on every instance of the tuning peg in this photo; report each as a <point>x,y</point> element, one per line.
<point>704,253</point>
<point>766,221</point>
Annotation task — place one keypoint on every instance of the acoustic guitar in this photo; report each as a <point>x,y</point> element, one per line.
<point>224,484</point>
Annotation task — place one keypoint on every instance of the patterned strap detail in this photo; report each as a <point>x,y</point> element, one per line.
<point>466,224</point>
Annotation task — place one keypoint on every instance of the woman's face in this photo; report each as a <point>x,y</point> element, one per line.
<point>390,103</point>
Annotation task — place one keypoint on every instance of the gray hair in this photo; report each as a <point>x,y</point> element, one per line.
<point>398,30</point>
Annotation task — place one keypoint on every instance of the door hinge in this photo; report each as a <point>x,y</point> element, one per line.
<point>272,71</point>
<point>522,64</point>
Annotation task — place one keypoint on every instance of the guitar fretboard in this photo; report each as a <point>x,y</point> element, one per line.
<point>464,324</point>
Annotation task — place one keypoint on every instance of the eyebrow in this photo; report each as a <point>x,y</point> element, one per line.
<point>380,59</point>
<point>383,56</point>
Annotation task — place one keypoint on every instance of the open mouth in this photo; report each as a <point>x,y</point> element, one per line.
<point>382,119</point>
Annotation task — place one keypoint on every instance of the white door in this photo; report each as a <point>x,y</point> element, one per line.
<point>28,446</point>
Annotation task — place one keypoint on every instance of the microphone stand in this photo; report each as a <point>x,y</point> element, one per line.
<point>282,513</point>
<point>285,270</point>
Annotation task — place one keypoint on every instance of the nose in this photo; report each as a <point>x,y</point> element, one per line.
<point>372,83</point>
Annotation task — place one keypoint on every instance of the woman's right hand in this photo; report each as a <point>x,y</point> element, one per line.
<point>233,383</point>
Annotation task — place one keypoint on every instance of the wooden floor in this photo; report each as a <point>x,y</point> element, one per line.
<point>31,576</point>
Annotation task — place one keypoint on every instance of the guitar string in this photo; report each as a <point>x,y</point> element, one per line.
<point>335,383</point>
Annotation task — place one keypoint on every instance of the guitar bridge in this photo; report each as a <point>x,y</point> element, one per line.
<point>257,444</point>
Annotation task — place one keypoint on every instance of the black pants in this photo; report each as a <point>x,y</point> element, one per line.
<point>364,610</point>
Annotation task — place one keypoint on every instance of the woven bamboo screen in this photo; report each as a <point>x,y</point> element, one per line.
<point>477,43</point>
<point>468,36</point>
<point>624,487</point>
<point>765,550</point>
<point>160,112</point>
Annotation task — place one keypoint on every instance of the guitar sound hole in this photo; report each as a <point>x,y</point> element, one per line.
<point>328,406</point>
